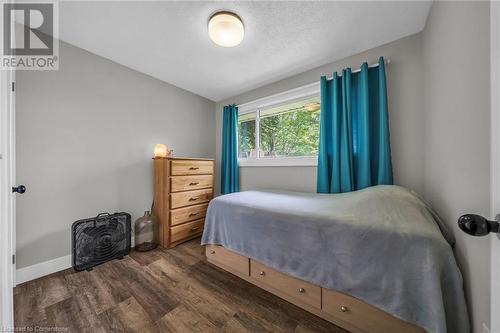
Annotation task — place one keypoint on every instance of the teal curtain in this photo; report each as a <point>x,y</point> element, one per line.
<point>229,172</point>
<point>354,145</point>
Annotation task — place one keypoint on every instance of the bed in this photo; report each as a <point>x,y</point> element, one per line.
<point>374,260</point>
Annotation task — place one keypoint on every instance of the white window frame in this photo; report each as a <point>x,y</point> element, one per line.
<point>266,103</point>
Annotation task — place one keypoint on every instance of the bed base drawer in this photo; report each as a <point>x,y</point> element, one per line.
<point>229,260</point>
<point>341,309</point>
<point>303,291</point>
<point>362,315</point>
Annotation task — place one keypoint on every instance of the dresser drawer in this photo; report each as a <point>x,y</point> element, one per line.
<point>186,230</point>
<point>190,213</point>
<point>191,167</point>
<point>228,259</point>
<point>300,290</point>
<point>182,199</point>
<point>187,183</point>
<point>363,315</point>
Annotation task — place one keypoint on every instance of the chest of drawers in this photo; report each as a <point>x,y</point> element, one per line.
<point>182,189</point>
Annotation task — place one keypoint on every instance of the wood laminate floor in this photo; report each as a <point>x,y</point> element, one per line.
<point>172,290</point>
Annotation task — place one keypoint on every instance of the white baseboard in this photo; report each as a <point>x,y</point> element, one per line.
<point>44,268</point>
<point>47,267</point>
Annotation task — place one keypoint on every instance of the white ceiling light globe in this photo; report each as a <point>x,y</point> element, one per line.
<point>226,29</point>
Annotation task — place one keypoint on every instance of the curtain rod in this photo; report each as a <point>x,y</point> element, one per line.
<point>387,61</point>
<point>307,87</point>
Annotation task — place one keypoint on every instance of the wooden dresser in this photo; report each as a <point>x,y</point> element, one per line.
<point>182,189</point>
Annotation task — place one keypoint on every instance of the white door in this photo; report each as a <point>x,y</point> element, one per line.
<point>495,160</point>
<point>7,198</point>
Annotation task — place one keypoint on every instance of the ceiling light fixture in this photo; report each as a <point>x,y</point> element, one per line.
<point>226,29</point>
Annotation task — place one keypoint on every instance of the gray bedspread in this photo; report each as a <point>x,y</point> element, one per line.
<point>382,245</point>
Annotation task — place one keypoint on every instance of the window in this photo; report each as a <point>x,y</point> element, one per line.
<point>246,136</point>
<point>286,133</point>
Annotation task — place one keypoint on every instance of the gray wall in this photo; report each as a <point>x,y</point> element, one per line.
<point>404,81</point>
<point>85,138</point>
<point>296,178</point>
<point>456,136</point>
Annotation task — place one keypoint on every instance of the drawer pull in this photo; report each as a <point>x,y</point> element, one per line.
<point>262,273</point>
<point>194,228</point>
<point>193,199</point>
<point>193,168</point>
<point>212,252</point>
<point>193,214</point>
<point>344,308</point>
<point>193,183</point>
<point>302,290</point>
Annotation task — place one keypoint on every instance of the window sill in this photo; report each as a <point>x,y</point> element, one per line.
<point>278,162</point>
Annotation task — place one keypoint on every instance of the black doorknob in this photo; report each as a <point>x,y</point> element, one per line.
<point>19,189</point>
<point>477,225</point>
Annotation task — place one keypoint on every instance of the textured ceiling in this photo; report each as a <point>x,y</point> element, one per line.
<point>169,41</point>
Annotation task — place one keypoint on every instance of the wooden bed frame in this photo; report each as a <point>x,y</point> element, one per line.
<point>345,311</point>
